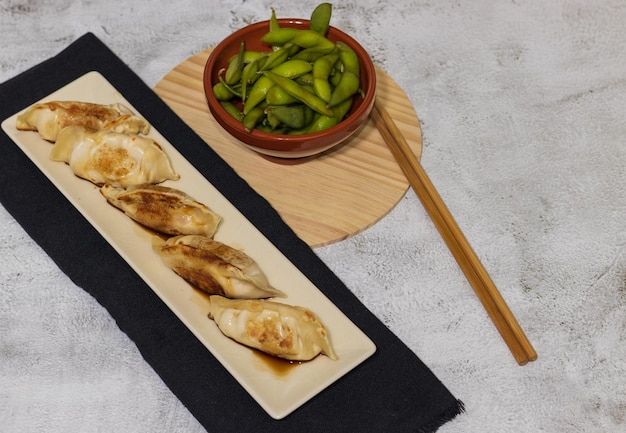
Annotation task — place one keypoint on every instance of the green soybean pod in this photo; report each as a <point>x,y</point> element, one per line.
<point>321,71</point>
<point>308,88</point>
<point>295,90</point>
<point>349,83</point>
<point>293,68</point>
<point>325,122</point>
<point>271,120</point>
<point>304,38</point>
<point>309,39</point>
<point>222,92</point>
<point>235,66</point>
<point>257,93</point>
<point>231,109</point>
<point>275,58</point>
<point>305,80</point>
<point>279,36</point>
<point>349,58</point>
<point>249,76</point>
<point>313,53</point>
<point>274,25</point>
<point>305,130</point>
<point>235,89</point>
<point>335,77</point>
<point>348,86</point>
<point>249,73</point>
<point>250,56</point>
<point>277,96</point>
<point>253,118</point>
<point>320,18</point>
<point>292,116</point>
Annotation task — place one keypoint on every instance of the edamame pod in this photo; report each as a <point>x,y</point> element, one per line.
<point>305,80</point>
<point>279,36</point>
<point>257,93</point>
<point>335,77</point>
<point>349,83</point>
<point>277,96</point>
<point>271,120</point>
<point>293,68</point>
<point>348,86</point>
<point>222,92</point>
<point>249,75</point>
<point>231,109</point>
<point>235,90</point>
<point>301,37</point>
<point>325,122</point>
<point>321,71</point>
<point>348,58</point>
<point>253,118</point>
<point>310,39</point>
<point>292,116</point>
<point>250,56</point>
<point>313,53</point>
<point>299,93</point>
<point>235,66</point>
<point>274,25</point>
<point>274,58</point>
<point>320,18</point>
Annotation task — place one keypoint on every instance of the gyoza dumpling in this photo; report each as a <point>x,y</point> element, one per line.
<point>164,209</point>
<point>49,118</point>
<point>107,157</point>
<point>215,267</point>
<point>281,330</point>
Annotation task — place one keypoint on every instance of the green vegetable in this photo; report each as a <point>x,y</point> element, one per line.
<point>349,82</point>
<point>320,18</point>
<point>292,116</point>
<point>235,66</point>
<point>231,109</point>
<point>295,90</point>
<point>257,93</point>
<point>253,118</point>
<point>321,71</point>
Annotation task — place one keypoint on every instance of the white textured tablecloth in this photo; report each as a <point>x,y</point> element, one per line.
<point>522,108</point>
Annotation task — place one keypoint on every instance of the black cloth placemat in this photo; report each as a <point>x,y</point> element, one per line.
<point>393,391</point>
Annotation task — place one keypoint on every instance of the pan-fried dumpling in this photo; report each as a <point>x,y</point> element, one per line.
<point>49,118</point>
<point>215,267</point>
<point>163,209</point>
<point>285,331</point>
<point>107,157</point>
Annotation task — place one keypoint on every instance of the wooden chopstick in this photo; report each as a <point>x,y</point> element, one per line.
<point>479,279</point>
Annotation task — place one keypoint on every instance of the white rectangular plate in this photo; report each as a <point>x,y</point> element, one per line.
<point>278,391</point>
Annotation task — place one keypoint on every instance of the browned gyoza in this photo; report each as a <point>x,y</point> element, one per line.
<point>286,331</point>
<point>215,267</point>
<point>163,209</point>
<point>114,158</point>
<point>50,118</point>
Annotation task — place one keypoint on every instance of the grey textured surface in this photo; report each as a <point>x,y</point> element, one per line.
<point>522,110</point>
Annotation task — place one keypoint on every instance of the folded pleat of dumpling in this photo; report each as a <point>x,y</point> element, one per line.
<point>163,209</point>
<point>290,332</point>
<point>50,118</point>
<point>114,158</point>
<point>215,267</point>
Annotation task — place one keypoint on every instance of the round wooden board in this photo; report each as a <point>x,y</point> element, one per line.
<point>323,199</point>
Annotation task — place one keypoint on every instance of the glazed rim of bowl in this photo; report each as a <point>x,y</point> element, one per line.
<point>218,59</point>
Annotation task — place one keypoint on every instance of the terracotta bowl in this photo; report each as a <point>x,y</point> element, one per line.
<point>281,145</point>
